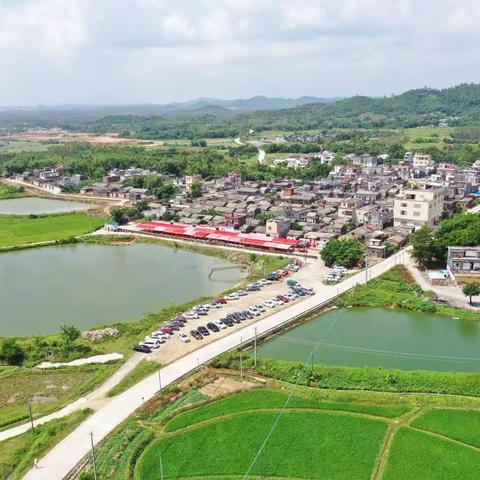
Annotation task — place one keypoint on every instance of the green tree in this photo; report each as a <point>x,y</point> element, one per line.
<point>347,253</point>
<point>195,190</point>
<point>69,334</point>
<point>425,246</point>
<point>471,290</point>
<point>11,352</point>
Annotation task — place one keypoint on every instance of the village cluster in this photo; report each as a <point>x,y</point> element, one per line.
<point>363,197</point>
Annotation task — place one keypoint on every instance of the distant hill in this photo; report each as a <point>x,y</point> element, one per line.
<point>209,118</point>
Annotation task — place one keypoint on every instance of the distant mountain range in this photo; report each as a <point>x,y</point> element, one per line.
<point>209,117</point>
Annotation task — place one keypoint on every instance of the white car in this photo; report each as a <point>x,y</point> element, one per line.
<point>242,293</point>
<point>152,343</point>
<point>260,308</point>
<point>254,311</point>
<point>183,337</point>
<point>155,336</point>
<point>269,303</point>
<point>232,296</point>
<point>215,305</point>
<point>219,324</point>
<point>190,315</point>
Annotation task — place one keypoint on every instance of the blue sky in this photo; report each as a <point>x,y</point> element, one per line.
<point>157,51</point>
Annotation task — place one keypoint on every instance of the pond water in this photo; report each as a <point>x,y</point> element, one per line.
<point>382,338</point>
<point>39,206</point>
<point>91,285</point>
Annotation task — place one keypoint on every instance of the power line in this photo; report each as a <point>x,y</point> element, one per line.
<point>282,411</point>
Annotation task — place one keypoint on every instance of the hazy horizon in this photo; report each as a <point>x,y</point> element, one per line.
<point>132,52</point>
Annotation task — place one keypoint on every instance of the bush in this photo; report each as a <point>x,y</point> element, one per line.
<point>11,352</point>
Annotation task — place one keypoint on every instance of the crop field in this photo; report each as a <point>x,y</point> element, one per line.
<point>23,230</point>
<point>309,438</point>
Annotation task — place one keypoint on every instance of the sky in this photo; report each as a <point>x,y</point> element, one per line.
<point>56,52</point>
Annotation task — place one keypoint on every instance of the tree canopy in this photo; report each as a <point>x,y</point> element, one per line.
<point>347,253</point>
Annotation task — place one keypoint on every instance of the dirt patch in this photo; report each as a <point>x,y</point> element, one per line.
<point>226,385</point>
<point>43,398</point>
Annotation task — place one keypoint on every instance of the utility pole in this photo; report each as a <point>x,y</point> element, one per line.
<point>241,358</point>
<point>255,349</point>
<point>31,416</point>
<point>93,457</point>
<point>366,269</point>
<point>161,467</point>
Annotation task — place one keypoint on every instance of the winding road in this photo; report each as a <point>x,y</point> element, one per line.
<point>57,463</point>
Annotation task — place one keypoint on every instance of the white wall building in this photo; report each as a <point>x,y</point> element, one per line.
<point>417,207</point>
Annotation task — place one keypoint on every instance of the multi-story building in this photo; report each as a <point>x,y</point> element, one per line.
<point>417,207</point>
<point>277,227</point>
<point>464,260</point>
<point>421,160</point>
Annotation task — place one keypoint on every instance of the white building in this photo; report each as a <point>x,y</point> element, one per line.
<point>417,207</point>
<point>421,160</point>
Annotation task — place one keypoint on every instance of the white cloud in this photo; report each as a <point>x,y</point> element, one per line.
<point>54,51</point>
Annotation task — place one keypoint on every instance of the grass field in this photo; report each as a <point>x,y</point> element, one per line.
<point>24,145</point>
<point>17,454</point>
<point>348,450</point>
<point>416,455</point>
<point>142,370</point>
<point>461,425</point>
<point>47,390</point>
<point>24,230</point>
<point>269,399</point>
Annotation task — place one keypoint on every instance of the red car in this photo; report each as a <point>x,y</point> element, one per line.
<point>282,298</point>
<point>167,330</point>
<point>220,300</point>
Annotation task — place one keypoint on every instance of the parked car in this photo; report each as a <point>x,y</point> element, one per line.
<point>232,296</point>
<point>228,321</point>
<point>222,301</point>
<point>204,331</point>
<point>167,330</point>
<point>160,337</point>
<point>220,324</point>
<point>190,315</point>
<point>142,348</point>
<point>196,334</point>
<point>152,343</point>
<point>241,293</point>
<point>183,337</point>
<point>212,327</point>
<point>254,311</point>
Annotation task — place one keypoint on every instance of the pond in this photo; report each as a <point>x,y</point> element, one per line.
<point>39,206</point>
<point>382,338</point>
<point>91,285</point>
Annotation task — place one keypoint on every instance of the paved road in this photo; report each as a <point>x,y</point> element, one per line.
<point>64,456</point>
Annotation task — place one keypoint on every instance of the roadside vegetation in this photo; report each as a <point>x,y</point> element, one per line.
<point>9,191</point>
<point>141,371</point>
<point>21,230</point>
<point>18,453</point>
<point>397,289</point>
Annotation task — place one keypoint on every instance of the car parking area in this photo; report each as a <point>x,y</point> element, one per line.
<point>176,346</point>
